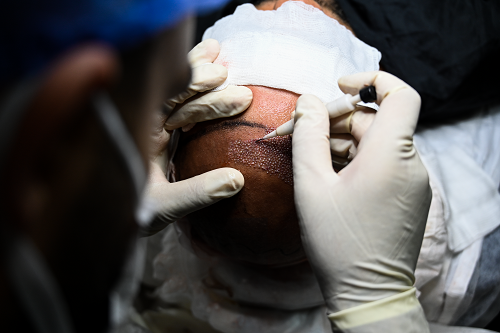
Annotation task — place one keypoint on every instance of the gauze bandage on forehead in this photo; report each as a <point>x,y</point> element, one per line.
<point>296,47</point>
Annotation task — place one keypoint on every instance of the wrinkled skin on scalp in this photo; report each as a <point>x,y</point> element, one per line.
<point>258,225</point>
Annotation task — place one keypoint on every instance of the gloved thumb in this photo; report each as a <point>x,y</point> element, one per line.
<point>176,200</point>
<point>311,140</point>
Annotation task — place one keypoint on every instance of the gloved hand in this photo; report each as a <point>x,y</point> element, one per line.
<point>343,131</point>
<point>181,112</point>
<point>362,228</point>
<point>175,200</point>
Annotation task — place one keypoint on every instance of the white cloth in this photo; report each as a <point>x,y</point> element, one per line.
<point>463,161</point>
<point>434,259</point>
<point>235,298</point>
<point>296,47</point>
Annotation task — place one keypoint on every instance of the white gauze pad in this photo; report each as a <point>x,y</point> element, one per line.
<point>296,47</point>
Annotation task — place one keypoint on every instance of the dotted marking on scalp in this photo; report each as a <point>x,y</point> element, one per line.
<point>272,155</point>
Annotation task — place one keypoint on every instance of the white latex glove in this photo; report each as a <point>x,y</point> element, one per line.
<point>362,228</point>
<point>206,76</point>
<point>343,133</point>
<point>175,200</point>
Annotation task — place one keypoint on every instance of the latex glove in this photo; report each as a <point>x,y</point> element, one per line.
<point>232,100</point>
<point>343,133</point>
<point>175,200</point>
<point>362,228</point>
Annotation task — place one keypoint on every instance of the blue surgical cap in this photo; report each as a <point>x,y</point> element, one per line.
<point>34,32</point>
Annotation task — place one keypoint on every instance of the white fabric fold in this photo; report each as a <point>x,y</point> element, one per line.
<point>463,160</point>
<point>235,298</point>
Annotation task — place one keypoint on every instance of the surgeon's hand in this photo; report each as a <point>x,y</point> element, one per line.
<point>344,130</point>
<point>197,103</point>
<point>362,228</point>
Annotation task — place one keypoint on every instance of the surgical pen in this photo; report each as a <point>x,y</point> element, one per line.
<point>335,108</point>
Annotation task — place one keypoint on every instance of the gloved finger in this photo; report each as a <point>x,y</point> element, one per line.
<point>356,122</point>
<point>343,145</point>
<point>361,121</point>
<point>159,136</point>
<point>188,127</point>
<point>176,200</point>
<point>399,103</point>
<point>212,105</point>
<point>204,52</point>
<point>204,77</point>
<point>341,124</point>
<point>311,140</point>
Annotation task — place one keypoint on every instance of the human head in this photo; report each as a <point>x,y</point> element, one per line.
<point>258,225</point>
<point>265,51</point>
<point>64,185</point>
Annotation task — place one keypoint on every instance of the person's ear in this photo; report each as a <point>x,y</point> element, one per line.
<point>52,152</point>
